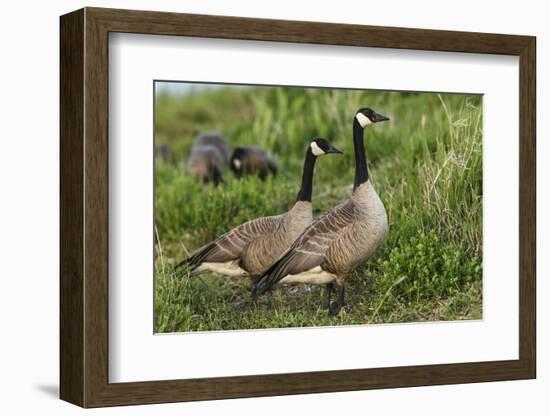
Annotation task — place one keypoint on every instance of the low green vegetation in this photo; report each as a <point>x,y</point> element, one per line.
<point>426,164</point>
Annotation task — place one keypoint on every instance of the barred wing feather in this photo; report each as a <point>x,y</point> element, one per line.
<point>230,245</point>
<point>310,249</point>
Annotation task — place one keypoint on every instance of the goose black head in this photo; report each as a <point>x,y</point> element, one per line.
<point>236,161</point>
<point>321,147</point>
<point>366,116</point>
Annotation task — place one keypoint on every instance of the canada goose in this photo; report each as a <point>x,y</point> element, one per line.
<point>213,138</point>
<point>206,164</point>
<point>208,157</point>
<point>248,160</point>
<point>164,152</point>
<point>250,248</point>
<point>336,243</point>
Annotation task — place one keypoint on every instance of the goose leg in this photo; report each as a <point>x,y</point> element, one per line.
<point>254,297</point>
<point>269,302</point>
<point>328,289</point>
<point>253,292</point>
<point>336,306</point>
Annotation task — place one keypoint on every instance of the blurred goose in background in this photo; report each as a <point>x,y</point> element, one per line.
<point>163,151</point>
<point>249,160</point>
<point>250,248</point>
<point>209,156</point>
<point>336,243</point>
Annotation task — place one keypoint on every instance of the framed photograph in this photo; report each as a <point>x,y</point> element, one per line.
<point>256,207</point>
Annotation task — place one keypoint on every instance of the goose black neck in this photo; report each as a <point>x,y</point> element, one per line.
<point>361,168</point>
<point>307,178</point>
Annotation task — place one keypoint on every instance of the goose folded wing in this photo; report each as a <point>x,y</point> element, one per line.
<point>230,245</point>
<point>309,250</point>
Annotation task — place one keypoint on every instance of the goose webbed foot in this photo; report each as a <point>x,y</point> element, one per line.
<point>254,298</point>
<point>269,302</point>
<point>246,304</point>
<point>334,309</point>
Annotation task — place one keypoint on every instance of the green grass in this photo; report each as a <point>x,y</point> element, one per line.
<point>426,164</point>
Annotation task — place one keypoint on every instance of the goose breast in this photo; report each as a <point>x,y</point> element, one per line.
<point>364,235</point>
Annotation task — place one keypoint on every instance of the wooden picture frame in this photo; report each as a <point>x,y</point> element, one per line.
<point>84,207</point>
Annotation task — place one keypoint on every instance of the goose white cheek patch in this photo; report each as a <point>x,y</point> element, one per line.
<point>237,163</point>
<point>316,150</point>
<point>363,120</point>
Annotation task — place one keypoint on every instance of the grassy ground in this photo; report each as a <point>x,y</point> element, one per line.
<point>426,164</point>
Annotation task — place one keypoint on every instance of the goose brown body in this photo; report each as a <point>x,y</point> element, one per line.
<point>335,244</point>
<point>250,160</point>
<point>208,157</point>
<point>251,248</point>
<point>215,139</point>
<point>206,164</point>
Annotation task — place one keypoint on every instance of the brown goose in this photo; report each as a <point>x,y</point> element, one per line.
<point>213,138</point>
<point>164,152</point>
<point>208,157</point>
<point>250,248</point>
<point>249,160</point>
<point>335,244</point>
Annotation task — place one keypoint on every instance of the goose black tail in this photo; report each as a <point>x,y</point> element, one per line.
<point>261,286</point>
<point>182,263</point>
<point>272,276</point>
<point>198,257</point>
